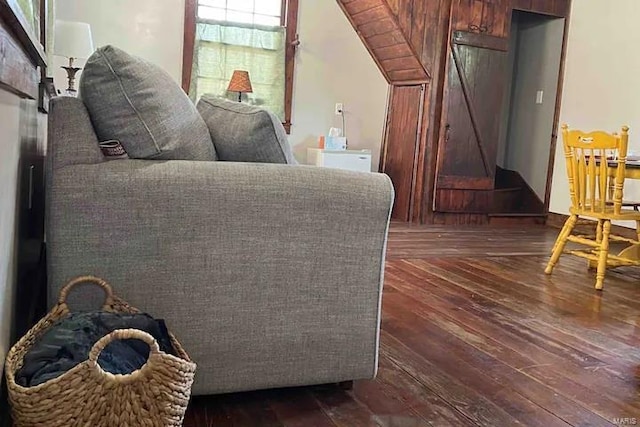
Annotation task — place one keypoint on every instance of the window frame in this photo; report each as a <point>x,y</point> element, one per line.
<point>288,19</point>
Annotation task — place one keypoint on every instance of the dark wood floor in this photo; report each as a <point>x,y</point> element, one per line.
<point>473,333</point>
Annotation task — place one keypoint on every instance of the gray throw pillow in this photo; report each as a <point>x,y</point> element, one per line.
<point>244,133</point>
<point>138,104</point>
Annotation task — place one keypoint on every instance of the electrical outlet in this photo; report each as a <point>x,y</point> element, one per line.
<point>339,108</point>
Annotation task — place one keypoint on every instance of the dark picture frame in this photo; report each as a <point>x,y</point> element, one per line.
<point>25,28</point>
<point>24,33</point>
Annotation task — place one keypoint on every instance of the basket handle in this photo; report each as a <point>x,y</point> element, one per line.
<point>66,289</point>
<point>122,334</point>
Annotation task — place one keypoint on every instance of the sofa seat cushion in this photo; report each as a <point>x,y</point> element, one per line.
<point>244,133</point>
<point>138,104</point>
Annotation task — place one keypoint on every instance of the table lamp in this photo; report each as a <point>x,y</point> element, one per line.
<point>72,40</point>
<point>240,83</point>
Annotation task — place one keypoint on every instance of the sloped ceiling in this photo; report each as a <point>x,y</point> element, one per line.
<point>379,23</point>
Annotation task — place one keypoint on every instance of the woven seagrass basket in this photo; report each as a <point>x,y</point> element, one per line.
<point>155,395</point>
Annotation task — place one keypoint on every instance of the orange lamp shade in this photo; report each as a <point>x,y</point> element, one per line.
<point>240,82</point>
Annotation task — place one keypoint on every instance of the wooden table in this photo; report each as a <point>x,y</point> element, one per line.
<point>632,171</point>
<point>632,168</point>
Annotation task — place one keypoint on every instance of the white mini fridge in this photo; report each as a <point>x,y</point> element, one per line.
<point>355,160</point>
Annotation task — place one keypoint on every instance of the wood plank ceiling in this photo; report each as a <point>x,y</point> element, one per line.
<point>378,26</point>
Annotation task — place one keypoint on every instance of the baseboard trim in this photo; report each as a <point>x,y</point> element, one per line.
<point>586,226</point>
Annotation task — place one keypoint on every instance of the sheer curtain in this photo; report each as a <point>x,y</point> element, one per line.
<point>221,48</point>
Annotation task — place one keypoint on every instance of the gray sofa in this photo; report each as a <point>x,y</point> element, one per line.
<point>270,275</point>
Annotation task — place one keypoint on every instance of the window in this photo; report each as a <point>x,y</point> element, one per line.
<point>261,12</point>
<point>254,35</point>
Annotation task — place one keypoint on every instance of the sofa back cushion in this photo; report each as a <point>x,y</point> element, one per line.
<point>138,104</point>
<point>244,133</point>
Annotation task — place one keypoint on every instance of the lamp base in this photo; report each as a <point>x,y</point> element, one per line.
<point>71,77</point>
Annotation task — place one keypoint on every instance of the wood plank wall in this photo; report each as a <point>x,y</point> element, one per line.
<point>17,73</point>
<point>390,29</point>
<point>405,129</point>
<point>425,24</point>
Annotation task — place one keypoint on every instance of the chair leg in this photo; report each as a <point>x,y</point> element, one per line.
<point>564,233</point>
<point>559,238</point>
<point>561,242</point>
<point>560,235</point>
<point>638,229</point>
<point>604,254</point>
<point>592,265</point>
<point>599,231</point>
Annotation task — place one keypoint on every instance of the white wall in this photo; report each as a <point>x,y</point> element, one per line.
<point>538,51</point>
<point>601,85</point>
<point>151,29</point>
<point>9,158</point>
<point>332,64</point>
<point>501,155</point>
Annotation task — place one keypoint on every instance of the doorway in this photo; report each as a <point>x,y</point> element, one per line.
<point>528,114</point>
<point>497,125</point>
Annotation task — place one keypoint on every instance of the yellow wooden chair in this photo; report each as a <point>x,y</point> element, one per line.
<point>596,187</point>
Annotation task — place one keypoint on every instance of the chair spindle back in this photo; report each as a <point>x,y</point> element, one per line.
<point>593,186</point>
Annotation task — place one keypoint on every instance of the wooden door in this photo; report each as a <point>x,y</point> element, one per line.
<point>472,107</point>
<point>402,135</point>
<point>487,17</point>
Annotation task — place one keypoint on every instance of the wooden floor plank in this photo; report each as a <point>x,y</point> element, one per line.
<point>521,301</point>
<point>562,291</point>
<point>522,318</point>
<point>450,387</point>
<point>611,330</point>
<point>500,341</point>
<point>244,410</point>
<point>342,408</point>
<point>415,241</point>
<point>493,377</point>
<point>503,317</point>
<point>565,274</point>
<point>298,408</point>
<point>386,406</point>
<point>431,407</point>
<point>207,412</point>
<point>531,378</point>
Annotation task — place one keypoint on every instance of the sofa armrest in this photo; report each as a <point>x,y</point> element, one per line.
<point>71,138</point>
<point>252,257</point>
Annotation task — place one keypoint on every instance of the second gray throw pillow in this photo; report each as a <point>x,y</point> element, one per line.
<point>244,133</point>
